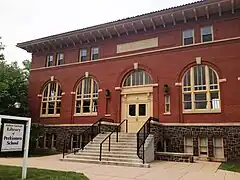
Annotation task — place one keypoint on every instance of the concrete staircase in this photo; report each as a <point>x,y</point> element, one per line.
<point>122,153</point>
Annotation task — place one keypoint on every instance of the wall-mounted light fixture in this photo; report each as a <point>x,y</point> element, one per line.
<point>166,89</point>
<point>107,93</point>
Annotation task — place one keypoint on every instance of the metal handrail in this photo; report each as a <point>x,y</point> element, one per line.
<point>109,137</point>
<point>86,131</point>
<point>146,131</point>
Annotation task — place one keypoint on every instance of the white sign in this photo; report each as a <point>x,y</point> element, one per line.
<point>12,139</point>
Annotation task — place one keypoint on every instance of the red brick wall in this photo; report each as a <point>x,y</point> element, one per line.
<point>165,67</point>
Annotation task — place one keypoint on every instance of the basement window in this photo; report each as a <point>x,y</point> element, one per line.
<point>188,145</point>
<point>218,147</point>
<point>203,146</point>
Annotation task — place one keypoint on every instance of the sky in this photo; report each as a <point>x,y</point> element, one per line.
<point>23,20</point>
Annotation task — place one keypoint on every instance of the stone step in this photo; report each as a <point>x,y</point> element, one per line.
<point>105,158</point>
<point>116,145</point>
<point>111,148</point>
<point>111,152</point>
<point>107,154</point>
<point>116,163</point>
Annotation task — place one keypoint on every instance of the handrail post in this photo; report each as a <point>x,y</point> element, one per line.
<point>109,144</point>
<point>64,148</point>
<point>117,135</point>
<point>100,157</point>
<point>126,125</point>
<point>92,133</point>
<point>137,143</point>
<point>143,154</point>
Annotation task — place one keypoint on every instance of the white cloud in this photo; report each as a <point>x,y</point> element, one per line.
<point>30,19</point>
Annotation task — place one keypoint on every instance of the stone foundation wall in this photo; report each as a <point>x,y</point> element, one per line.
<point>64,133</point>
<point>174,135</point>
<point>176,157</point>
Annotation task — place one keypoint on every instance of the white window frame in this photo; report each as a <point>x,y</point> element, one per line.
<point>193,36</point>
<point>54,140</point>
<point>80,97</point>
<point>215,147</point>
<point>211,27</point>
<point>80,55</point>
<point>167,102</point>
<point>146,78</point>
<point>208,91</point>
<point>48,60</point>
<point>92,53</point>
<point>200,146</point>
<point>55,98</point>
<point>60,58</point>
<point>188,145</point>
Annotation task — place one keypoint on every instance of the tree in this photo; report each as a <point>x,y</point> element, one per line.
<point>13,86</point>
<point>1,48</point>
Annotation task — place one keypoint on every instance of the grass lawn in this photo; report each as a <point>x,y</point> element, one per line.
<point>231,166</point>
<point>14,173</point>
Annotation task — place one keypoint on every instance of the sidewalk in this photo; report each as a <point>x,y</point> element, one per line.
<point>159,170</point>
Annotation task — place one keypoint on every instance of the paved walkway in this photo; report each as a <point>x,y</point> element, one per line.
<point>159,170</point>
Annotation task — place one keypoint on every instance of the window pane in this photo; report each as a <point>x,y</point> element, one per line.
<point>200,101</point>
<point>86,106</point>
<point>44,107</point>
<point>60,58</point>
<point>95,53</point>
<point>188,41</point>
<point>206,30</point>
<point>78,107</point>
<point>58,107</point>
<point>142,110</point>
<point>215,101</point>
<point>207,38</point>
<point>132,110</point>
<point>51,107</point>
<point>95,105</point>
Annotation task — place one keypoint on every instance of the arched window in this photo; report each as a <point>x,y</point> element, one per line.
<point>86,97</point>
<point>201,92</point>
<point>137,78</point>
<point>51,99</point>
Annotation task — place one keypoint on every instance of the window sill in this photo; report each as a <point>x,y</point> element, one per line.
<point>49,116</point>
<point>88,114</point>
<point>167,114</point>
<point>202,112</point>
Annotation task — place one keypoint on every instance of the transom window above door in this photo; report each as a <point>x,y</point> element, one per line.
<point>137,78</point>
<point>201,91</point>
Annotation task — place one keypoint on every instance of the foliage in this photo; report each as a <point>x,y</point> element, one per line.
<point>1,48</point>
<point>13,86</point>
<point>231,166</point>
<point>37,132</point>
<point>14,173</point>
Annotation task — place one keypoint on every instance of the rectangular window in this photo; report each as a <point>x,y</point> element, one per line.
<point>203,146</point>
<point>218,147</point>
<point>74,141</point>
<point>207,33</point>
<point>49,61</point>
<point>83,55</point>
<point>188,145</point>
<point>94,53</point>
<point>60,57</point>
<point>167,104</point>
<point>132,110</point>
<point>142,109</point>
<point>188,37</point>
<point>54,140</point>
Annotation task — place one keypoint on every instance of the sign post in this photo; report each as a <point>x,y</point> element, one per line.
<point>15,134</point>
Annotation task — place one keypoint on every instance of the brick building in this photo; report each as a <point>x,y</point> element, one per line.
<point>180,65</point>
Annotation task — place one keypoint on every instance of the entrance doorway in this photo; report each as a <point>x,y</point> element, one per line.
<point>137,108</point>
